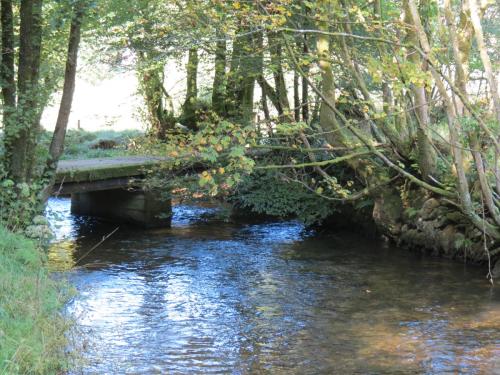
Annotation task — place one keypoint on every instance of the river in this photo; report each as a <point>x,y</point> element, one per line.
<point>271,297</point>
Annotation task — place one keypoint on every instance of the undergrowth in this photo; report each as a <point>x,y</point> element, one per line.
<point>32,328</point>
<point>267,193</point>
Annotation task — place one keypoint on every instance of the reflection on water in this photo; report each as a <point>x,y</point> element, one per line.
<point>212,297</point>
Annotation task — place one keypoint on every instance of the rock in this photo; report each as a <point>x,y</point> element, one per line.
<point>447,239</point>
<point>427,212</point>
<point>40,220</point>
<point>442,221</point>
<point>387,212</point>
<point>455,217</point>
<point>41,233</point>
<point>105,144</point>
<point>413,238</point>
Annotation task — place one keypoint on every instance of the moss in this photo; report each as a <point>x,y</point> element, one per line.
<point>100,171</point>
<point>32,329</point>
<point>86,170</point>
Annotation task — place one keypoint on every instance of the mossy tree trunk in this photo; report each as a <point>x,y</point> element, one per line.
<point>219,88</point>
<point>245,68</point>
<point>275,50</point>
<point>189,106</point>
<point>159,108</point>
<point>426,154</point>
<point>21,119</point>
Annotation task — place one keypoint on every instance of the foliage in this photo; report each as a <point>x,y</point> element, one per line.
<point>268,193</point>
<point>217,151</point>
<point>32,330</point>
<point>19,204</point>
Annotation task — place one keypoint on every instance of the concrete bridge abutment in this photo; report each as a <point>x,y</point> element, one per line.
<point>148,209</point>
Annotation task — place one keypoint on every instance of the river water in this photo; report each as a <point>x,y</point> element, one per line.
<point>213,297</point>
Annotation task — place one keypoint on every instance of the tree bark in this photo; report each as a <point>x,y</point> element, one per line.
<point>8,57</point>
<point>455,144</point>
<point>485,58</point>
<point>475,15</point>
<point>426,153</point>
<point>151,76</point>
<point>218,89</point>
<point>296,96</point>
<point>246,68</point>
<point>7,75</point>
<point>189,107</point>
<point>57,144</point>
<point>278,74</point>
<point>20,136</point>
<point>328,122</point>
<point>233,82</point>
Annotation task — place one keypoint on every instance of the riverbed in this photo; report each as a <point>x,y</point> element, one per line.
<point>211,296</point>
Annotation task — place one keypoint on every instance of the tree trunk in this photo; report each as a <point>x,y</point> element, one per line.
<point>296,96</point>
<point>426,153</point>
<point>151,77</point>
<point>327,117</point>
<point>246,67</point>
<point>279,75</point>
<point>305,87</point>
<point>485,58</point>
<point>20,136</point>
<point>233,80</point>
<point>218,90</point>
<point>189,107</point>
<point>251,68</point>
<point>57,144</point>
<point>455,144</point>
<point>8,56</point>
<point>7,74</point>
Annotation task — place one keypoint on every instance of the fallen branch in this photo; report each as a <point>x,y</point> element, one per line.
<point>317,163</point>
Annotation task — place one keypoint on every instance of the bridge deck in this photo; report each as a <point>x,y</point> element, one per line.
<point>74,171</point>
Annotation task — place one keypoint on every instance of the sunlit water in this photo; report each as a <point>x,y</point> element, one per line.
<point>208,296</point>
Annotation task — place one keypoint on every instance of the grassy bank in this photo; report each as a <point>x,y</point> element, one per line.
<point>32,329</point>
<point>81,144</point>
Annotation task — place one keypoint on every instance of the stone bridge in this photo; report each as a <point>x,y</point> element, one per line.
<point>105,188</point>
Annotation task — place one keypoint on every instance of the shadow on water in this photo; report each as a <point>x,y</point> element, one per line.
<point>208,296</point>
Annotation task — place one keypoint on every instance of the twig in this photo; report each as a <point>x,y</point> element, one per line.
<point>97,245</point>
<point>58,192</point>
<point>489,275</point>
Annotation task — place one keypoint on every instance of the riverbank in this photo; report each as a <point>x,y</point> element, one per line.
<point>32,329</point>
<point>416,220</point>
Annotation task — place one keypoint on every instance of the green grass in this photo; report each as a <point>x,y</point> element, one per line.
<point>79,143</point>
<point>32,327</point>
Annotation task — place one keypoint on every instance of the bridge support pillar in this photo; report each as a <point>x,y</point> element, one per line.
<point>144,208</point>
